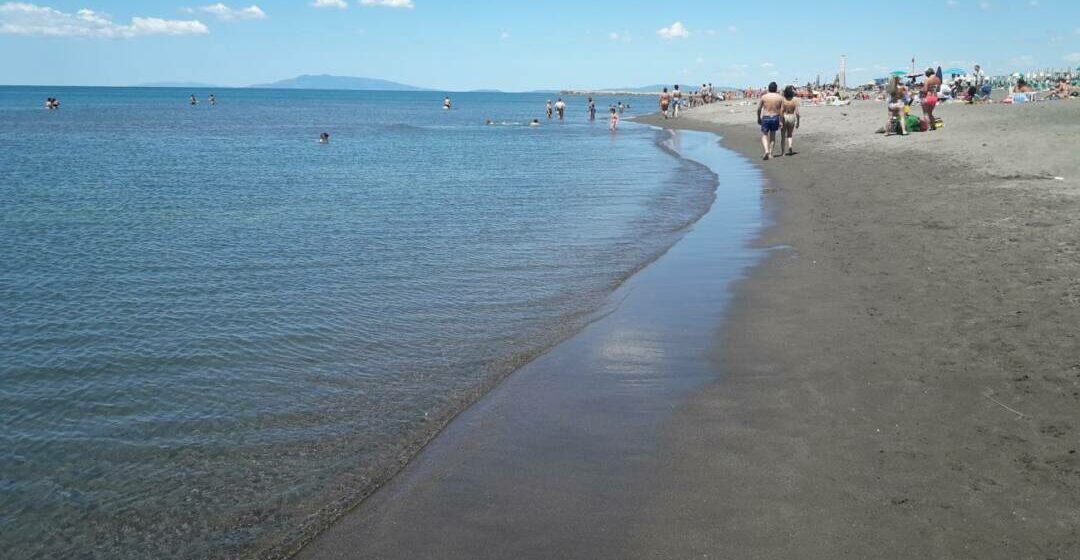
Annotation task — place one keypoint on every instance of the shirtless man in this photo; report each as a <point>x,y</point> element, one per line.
<point>791,121</point>
<point>665,102</point>
<point>768,117</point>
<point>930,96</point>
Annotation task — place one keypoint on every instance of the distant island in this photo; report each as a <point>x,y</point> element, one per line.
<point>326,81</point>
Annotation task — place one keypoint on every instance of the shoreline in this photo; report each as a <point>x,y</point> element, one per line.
<point>578,425</point>
<point>902,379</point>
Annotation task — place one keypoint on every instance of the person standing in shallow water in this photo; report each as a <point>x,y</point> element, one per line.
<point>592,109</point>
<point>614,120</point>
<point>550,109</point>
<point>791,121</point>
<point>560,108</point>
<point>193,100</point>
<point>768,117</point>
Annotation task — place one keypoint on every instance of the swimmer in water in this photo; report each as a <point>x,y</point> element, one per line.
<point>212,100</point>
<point>489,122</point>
<point>324,138</point>
<point>193,101</point>
<point>534,122</point>
<point>446,103</point>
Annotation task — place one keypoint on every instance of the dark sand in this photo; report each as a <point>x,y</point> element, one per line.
<point>902,382</point>
<point>872,372</point>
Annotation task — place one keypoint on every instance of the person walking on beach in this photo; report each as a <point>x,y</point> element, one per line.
<point>768,117</point>
<point>791,121</point>
<point>592,109</point>
<point>560,108</point>
<point>676,100</point>
<point>549,109</point>
<point>665,102</point>
<point>930,96</point>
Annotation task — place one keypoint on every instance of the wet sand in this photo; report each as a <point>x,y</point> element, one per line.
<point>904,382</point>
<point>899,378</point>
<point>558,461</point>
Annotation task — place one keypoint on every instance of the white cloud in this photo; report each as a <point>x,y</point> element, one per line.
<point>18,18</point>
<point>676,31</point>
<point>617,36</point>
<point>407,4</point>
<point>1073,57</point>
<point>225,13</point>
<point>767,65</point>
<point>339,4</point>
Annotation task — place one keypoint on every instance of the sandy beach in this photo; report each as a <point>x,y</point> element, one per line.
<point>900,378</point>
<point>904,380</point>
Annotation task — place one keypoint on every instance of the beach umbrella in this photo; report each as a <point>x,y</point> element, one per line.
<point>956,71</point>
<point>939,74</point>
<point>898,73</point>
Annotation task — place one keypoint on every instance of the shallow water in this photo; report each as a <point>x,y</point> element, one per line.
<point>218,332</point>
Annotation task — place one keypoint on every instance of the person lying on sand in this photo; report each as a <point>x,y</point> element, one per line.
<point>768,117</point>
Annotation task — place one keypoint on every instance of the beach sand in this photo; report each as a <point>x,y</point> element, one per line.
<point>904,381</point>
<point>899,378</point>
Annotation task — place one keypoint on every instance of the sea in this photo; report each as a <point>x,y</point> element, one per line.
<point>217,334</point>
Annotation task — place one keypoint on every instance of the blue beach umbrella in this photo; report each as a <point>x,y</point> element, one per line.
<point>898,73</point>
<point>956,71</point>
<point>939,74</point>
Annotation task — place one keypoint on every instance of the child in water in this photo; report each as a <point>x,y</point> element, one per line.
<point>614,119</point>
<point>324,138</point>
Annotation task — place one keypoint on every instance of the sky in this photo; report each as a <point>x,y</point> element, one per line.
<point>520,45</point>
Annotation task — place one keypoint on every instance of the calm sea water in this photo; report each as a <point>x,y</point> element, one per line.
<point>217,334</point>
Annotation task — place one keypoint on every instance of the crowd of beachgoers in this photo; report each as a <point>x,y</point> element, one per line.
<point>778,110</point>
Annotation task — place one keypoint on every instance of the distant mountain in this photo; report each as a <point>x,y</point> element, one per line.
<point>178,85</point>
<point>326,81</point>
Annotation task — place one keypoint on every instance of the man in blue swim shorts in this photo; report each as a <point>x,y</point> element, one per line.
<point>768,116</point>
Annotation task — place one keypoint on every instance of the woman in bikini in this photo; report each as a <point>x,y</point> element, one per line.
<point>790,111</point>
<point>896,107</point>
<point>930,96</point>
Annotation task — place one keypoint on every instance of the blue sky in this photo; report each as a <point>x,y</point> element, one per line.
<point>522,45</point>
